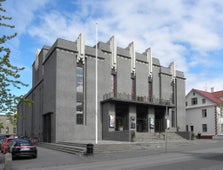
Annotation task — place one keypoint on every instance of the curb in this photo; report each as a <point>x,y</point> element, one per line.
<point>8,161</point>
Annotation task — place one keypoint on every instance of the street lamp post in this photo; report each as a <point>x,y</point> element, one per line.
<point>96,85</point>
<point>166,130</point>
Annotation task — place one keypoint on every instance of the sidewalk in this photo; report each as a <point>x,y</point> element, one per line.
<point>197,153</point>
<point>2,161</point>
<point>5,161</point>
<point>101,142</point>
<point>105,146</point>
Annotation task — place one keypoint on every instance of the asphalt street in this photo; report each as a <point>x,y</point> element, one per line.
<point>203,155</point>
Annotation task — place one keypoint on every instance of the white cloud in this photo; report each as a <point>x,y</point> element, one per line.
<point>23,12</point>
<point>204,82</point>
<point>186,32</point>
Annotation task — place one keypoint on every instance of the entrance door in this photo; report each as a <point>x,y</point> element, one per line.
<point>142,119</point>
<point>160,120</point>
<point>121,121</point>
<point>191,128</point>
<point>47,127</point>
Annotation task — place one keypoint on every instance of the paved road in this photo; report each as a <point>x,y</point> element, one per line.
<point>207,155</point>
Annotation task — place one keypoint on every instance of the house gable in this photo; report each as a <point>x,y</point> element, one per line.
<point>209,96</point>
<point>196,99</point>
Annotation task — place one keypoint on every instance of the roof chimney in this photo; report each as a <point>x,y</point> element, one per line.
<point>212,89</point>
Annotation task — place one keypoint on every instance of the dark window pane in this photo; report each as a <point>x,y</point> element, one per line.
<point>194,101</point>
<point>79,119</point>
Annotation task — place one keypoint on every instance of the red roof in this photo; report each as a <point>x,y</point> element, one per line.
<point>211,96</point>
<point>218,94</point>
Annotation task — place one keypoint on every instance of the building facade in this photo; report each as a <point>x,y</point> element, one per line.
<point>204,113</point>
<point>134,93</point>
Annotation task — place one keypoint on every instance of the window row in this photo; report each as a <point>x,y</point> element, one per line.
<point>194,101</point>
<point>204,128</point>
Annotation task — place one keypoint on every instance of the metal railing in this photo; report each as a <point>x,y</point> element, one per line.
<point>143,99</point>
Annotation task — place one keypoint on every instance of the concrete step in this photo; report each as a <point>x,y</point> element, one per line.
<point>64,148</point>
<point>81,145</point>
<point>140,137</point>
<point>144,141</point>
<point>174,136</point>
<point>143,137</point>
<point>124,147</point>
<point>103,148</point>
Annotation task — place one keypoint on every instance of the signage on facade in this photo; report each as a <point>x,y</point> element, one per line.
<point>111,121</point>
<point>151,122</point>
<point>132,123</point>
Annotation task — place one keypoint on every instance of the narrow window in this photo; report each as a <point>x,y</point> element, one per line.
<point>173,91</point>
<point>7,130</point>
<point>203,101</point>
<point>204,127</point>
<point>133,88</point>
<point>204,112</point>
<point>80,93</point>
<point>221,127</point>
<point>221,111</point>
<point>191,128</point>
<point>14,130</point>
<point>150,91</point>
<point>114,85</point>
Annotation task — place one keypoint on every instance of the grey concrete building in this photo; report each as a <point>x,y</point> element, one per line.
<point>135,93</point>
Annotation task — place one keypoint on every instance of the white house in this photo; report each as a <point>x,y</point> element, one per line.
<point>204,113</point>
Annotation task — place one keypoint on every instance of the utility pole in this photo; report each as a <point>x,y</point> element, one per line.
<point>96,84</point>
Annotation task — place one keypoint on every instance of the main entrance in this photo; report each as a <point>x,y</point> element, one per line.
<point>142,119</point>
<point>160,123</point>
<point>47,127</point>
<point>121,121</point>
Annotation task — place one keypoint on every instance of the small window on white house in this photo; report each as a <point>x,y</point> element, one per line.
<point>221,111</point>
<point>194,101</point>
<point>14,130</point>
<point>203,101</point>
<point>221,127</point>
<point>7,130</point>
<point>204,127</point>
<point>204,112</point>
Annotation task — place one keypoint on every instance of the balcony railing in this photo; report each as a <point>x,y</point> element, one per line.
<point>143,99</point>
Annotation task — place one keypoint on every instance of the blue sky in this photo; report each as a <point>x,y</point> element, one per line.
<point>184,31</point>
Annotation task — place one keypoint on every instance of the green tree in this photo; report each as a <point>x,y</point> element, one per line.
<point>9,73</point>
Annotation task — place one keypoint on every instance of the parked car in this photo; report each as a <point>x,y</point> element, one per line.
<point>5,145</point>
<point>1,142</point>
<point>35,140</point>
<point>23,148</point>
<point>3,136</point>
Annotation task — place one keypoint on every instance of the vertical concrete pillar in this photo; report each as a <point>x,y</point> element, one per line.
<point>132,118</point>
<point>111,117</point>
<point>171,119</point>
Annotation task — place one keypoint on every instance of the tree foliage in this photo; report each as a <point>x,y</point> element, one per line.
<point>9,73</point>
